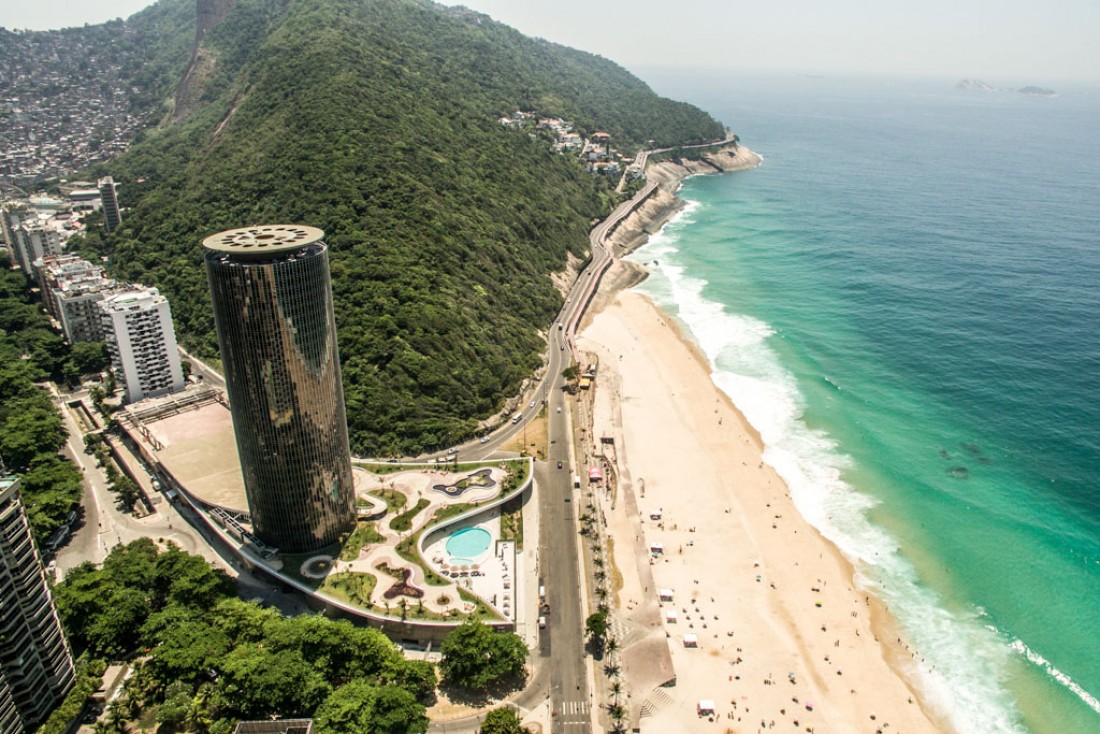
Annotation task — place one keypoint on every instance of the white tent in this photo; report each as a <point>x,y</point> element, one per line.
<point>670,615</point>
<point>657,547</point>
<point>691,640</point>
<point>664,594</point>
<point>655,514</point>
<point>705,707</point>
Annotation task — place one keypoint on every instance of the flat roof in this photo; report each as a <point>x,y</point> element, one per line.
<point>199,449</point>
<point>263,240</point>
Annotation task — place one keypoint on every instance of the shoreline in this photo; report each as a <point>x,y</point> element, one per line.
<point>855,679</point>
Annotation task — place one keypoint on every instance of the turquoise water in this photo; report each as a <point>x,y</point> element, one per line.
<point>905,301</point>
<point>467,544</point>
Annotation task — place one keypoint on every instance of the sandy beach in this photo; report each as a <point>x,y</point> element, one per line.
<point>783,637</point>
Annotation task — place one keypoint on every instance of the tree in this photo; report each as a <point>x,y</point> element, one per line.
<point>596,625</point>
<point>503,720</point>
<point>31,429</point>
<point>360,707</point>
<point>127,492</point>
<point>177,703</point>
<point>263,682</point>
<point>188,650</point>
<point>571,372</point>
<point>475,656</point>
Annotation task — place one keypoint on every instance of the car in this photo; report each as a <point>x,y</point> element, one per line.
<point>485,439</point>
<point>531,404</point>
<point>559,465</point>
<point>559,408</point>
<point>452,452</point>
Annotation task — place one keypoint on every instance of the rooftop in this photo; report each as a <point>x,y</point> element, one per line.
<point>264,240</point>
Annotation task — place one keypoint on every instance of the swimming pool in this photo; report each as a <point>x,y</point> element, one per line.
<point>468,544</point>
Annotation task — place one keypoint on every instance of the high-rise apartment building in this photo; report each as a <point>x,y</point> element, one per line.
<point>272,299</point>
<point>12,215</point>
<point>137,326</point>
<point>71,291</point>
<point>34,240</point>
<point>108,194</point>
<point>36,664</point>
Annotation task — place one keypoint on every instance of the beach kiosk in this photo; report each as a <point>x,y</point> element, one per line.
<point>655,514</point>
<point>664,594</point>
<point>656,548</point>
<point>595,476</point>
<point>671,616</point>
<point>691,640</point>
<point>705,707</point>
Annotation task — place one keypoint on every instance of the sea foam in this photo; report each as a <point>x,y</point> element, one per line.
<point>958,662</point>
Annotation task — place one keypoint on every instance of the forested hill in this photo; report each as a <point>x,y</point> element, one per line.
<point>376,120</point>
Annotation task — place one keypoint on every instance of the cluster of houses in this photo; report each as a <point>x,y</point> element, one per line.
<point>61,107</point>
<point>595,150</point>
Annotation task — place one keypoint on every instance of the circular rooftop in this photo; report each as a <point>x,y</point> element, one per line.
<point>263,240</point>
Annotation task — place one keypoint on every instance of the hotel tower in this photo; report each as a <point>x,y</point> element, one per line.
<point>273,310</point>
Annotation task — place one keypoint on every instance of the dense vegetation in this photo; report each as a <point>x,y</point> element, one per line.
<point>31,431</point>
<point>503,720</point>
<point>376,121</point>
<point>213,659</point>
<point>477,657</point>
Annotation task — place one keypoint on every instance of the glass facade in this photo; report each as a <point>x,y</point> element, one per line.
<point>277,333</point>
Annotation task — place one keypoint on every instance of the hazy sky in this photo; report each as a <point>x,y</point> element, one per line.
<point>1019,41</point>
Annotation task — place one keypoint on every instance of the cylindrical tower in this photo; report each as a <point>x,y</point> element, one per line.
<point>273,310</point>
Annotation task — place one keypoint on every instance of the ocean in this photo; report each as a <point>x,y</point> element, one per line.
<point>904,300</point>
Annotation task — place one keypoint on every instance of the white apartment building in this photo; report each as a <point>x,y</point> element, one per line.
<point>71,289</point>
<point>137,325</point>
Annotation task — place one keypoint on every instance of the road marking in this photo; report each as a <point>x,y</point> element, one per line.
<point>572,708</point>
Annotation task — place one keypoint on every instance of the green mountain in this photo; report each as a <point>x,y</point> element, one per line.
<point>376,120</point>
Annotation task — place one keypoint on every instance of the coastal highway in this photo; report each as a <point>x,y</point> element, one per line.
<point>561,643</point>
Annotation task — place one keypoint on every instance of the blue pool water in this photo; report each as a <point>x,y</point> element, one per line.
<point>464,546</point>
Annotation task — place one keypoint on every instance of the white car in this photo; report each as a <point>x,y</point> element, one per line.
<point>531,404</point>
<point>485,439</point>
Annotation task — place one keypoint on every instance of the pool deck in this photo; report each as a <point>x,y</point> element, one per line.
<point>495,581</point>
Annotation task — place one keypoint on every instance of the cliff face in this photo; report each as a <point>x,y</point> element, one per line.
<point>208,14</point>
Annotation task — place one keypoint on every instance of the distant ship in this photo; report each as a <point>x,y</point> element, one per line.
<point>1037,92</point>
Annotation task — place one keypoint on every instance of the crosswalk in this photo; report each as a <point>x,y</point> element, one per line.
<point>574,708</point>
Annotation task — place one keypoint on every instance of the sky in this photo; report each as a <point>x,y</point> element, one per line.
<point>1017,41</point>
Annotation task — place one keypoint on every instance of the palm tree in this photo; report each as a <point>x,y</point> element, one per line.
<point>612,646</point>
<point>116,719</point>
<point>617,712</point>
<point>616,689</point>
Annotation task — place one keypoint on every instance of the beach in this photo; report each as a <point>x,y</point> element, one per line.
<point>782,634</point>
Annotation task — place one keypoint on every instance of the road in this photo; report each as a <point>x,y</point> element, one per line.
<point>561,644</point>
<point>104,526</point>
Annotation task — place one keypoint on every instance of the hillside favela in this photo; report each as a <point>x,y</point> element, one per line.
<point>374,366</point>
